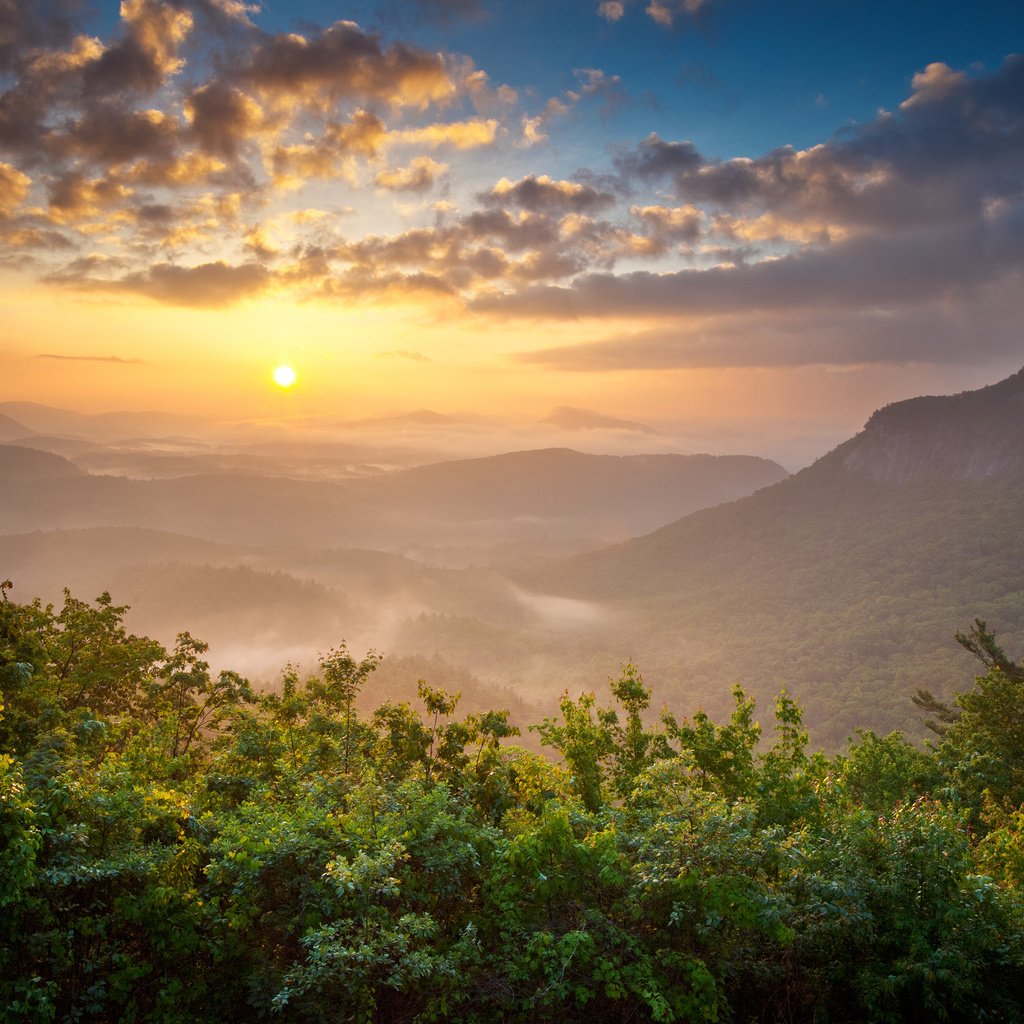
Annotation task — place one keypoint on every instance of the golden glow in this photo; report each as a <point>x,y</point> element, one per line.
<point>284,376</point>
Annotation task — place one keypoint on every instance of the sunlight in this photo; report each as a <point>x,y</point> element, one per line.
<point>284,376</point>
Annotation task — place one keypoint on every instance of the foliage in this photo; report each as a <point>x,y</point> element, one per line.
<point>178,847</point>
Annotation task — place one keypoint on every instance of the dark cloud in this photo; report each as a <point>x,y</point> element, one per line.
<point>345,61</point>
<point>223,117</point>
<point>954,334</point>
<point>655,158</point>
<point>541,193</point>
<point>146,53</point>
<point>27,25</point>
<point>954,146</point>
<point>493,246</point>
<point>74,195</point>
<point>109,134</point>
<point>913,267</point>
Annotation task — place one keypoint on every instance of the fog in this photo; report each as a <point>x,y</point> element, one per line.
<point>274,542</point>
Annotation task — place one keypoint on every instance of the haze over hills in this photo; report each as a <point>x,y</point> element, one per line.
<point>271,569</point>
<point>510,498</point>
<point>844,582</point>
<point>569,418</point>
<point>20,463</point>
<point>11,429</point>
<point>45,419</point>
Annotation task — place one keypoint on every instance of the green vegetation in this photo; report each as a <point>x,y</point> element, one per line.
<point>175,847</point>
<point>830,584</point>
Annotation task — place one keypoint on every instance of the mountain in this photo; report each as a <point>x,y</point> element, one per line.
<point>569,418</point>
<point>845,581</point>
<point>493,501</point>
<point>11,429</point>
<point>46,419</point>
<point>21,463</point>
<point>970,436</point>
<point>558,492</point>
<point>416,418</point>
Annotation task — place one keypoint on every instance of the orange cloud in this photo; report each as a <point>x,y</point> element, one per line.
<point>457,134</point>
<point>14,186</point>
<point>418,176</point>
<point>343,61</point>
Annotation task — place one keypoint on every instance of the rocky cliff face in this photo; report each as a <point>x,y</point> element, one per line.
<point>969,436</point>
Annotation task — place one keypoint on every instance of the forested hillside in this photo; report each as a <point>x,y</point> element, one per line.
<point>844,581</point>
<point>177,847</point>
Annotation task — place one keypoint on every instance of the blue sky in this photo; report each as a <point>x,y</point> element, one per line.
<point>741,76</point>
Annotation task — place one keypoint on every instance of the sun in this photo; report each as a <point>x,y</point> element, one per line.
<point>284,376</point>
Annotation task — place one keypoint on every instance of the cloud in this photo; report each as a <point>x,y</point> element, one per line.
<point>611,10</point>
<point>671,224</point>
<point>406,354</point>
<point>469,134</point>
<point>954,147</point>
<point>594,82</point>
<point>418,176</point>
<point>654,158</point>
<point>935,83</point>
<point>913,267</point>
<point>147,53</point>
<point>92,359</point>
<point>74,197</point>
<point>331,154</point>
<point>665,12</point>
<point>14,186</point>
<point>344,61</point>
<point>208,286</point>
<point>662,12</point>
<point>955,333</point>
<point>109,135</point>
<point>172,157</point>
<point>222,117</point>
<point>542,193</point>
<point>32,25</point>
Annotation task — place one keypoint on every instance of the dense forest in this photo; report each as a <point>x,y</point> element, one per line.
<point>177,846</point>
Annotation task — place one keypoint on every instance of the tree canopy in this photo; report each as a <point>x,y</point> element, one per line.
<point>177,846</point>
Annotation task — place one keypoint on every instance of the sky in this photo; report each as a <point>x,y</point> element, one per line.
<point>747,223</point>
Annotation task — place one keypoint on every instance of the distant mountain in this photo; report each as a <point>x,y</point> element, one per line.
<point>46,419</point>
<point>21,463</point>
<point>11,429</point>
<point>846,581</point>
<point>568,418</point>
<point>418,417</point>
<point>493,501</point>
<point>559,492</point>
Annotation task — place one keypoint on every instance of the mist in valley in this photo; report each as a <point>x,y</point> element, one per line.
<point>273,543</point>
<point>526,573</point>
